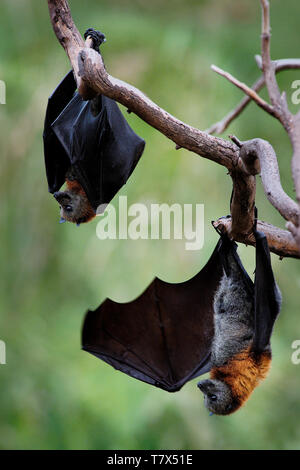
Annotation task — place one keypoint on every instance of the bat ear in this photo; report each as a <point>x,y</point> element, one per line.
<point>62,220</point>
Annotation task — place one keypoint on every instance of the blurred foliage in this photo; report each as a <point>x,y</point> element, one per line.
<point>53,396</point>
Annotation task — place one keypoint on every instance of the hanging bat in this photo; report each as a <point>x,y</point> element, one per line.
<point>218,321</point>
<point>244,315</point>
<point>90,146</point>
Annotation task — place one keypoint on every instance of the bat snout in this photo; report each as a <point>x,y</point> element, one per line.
<point>203,385</point>
<point>57,195</point>
<point>200,386</point>
<point>61,196</point>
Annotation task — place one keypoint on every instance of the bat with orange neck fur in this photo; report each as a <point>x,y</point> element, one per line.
<point>244,315</point>
<point>94,140</point>
<point>217,321</point>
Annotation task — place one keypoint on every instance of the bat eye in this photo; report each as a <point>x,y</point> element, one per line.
<point>212,397</point>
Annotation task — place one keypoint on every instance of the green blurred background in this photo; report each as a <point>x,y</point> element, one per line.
<point>53,395</point>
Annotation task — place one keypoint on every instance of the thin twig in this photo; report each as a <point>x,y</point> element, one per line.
<point>280,65</point>
<point>277,99</point>
<point>249,91</point>
<point>267,66</point>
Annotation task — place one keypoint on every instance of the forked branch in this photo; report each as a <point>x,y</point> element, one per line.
<point>280,65</point>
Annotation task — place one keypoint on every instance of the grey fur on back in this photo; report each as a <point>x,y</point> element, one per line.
<point>233,316</point>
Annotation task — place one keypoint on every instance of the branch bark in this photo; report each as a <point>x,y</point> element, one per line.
<point>257,156</point>
<point>242,204</point>
<point>70,39</point>
<point>278,101</point>
<point>263,151</point>
<point>281,242</point>
<point>93,72</point>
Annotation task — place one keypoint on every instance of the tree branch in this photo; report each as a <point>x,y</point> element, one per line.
<point>264,152</point>
<point>93,72</point>
<point>281,242</point>
<point>249,91</point>
<point>242,204</point>
<point>280,65</point>
<point>268,67</point>
<point>294,226</point>
<point>256,156</point>
<point>70,39</point>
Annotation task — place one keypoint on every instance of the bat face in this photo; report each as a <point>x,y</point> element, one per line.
<point>217,396</point>
<point>74,206</point>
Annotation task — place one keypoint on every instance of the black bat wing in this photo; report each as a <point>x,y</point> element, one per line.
<point>164,336</point>
<point>122,150</point>
<point>57,160</point>
<point>93,137</point>
<point>267,295</point>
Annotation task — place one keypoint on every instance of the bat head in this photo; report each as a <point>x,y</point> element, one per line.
<point>218,398</point>
<point>74,204</point>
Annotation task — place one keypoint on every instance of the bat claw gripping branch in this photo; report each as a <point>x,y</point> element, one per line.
<point>97,38</point>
